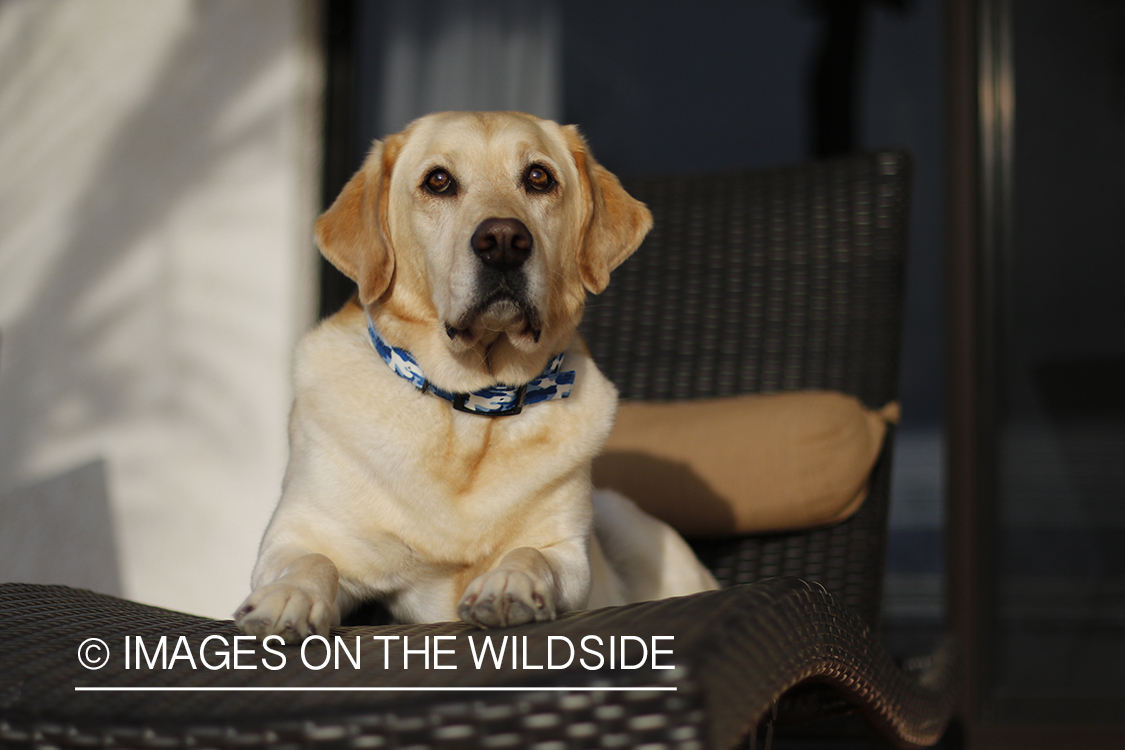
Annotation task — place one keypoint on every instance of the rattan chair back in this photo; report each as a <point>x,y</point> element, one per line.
<point>764,281</point>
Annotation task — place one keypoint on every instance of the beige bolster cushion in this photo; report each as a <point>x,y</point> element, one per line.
<point>780,461</point>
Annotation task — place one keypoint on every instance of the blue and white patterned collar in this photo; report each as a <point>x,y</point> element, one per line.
<point>494,401</point>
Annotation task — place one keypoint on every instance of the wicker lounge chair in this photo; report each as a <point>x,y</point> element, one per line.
<point>781,279</point>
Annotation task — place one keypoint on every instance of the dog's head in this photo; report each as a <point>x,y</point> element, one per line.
<point>474,237</point>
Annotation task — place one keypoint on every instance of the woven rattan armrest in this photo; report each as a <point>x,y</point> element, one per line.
<point>734,653</point>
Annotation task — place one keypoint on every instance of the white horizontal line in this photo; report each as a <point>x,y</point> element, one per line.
<point>361,688</point>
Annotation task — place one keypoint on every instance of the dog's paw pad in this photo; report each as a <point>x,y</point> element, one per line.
<point>517,611</point>
<point>285,610</point>
<point>505,598</point>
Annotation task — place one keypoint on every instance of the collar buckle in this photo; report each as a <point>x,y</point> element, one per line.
<point>459,400</point>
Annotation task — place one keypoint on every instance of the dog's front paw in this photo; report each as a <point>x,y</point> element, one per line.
<point>504,598</point>
<point>286,610</point>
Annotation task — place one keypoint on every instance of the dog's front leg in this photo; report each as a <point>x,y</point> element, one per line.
<point>298,602</point>
<point>528,585</point>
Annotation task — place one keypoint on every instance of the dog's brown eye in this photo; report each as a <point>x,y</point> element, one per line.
<point>438,181</point>
<point>539,179</point>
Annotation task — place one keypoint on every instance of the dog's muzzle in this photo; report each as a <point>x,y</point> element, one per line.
<point>501,299</point>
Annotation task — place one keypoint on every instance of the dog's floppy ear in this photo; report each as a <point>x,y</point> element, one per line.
<point>352,234</point>
<point>615,223</point>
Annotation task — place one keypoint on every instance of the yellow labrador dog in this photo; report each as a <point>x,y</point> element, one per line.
<point>446,419</point>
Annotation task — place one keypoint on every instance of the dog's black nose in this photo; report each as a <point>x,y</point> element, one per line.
<point>502,244</point>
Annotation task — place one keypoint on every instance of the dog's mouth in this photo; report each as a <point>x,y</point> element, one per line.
<point>501,312</point>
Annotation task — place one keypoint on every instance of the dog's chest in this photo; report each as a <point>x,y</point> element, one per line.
<point>457,488</point>
<point>463,456</point>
